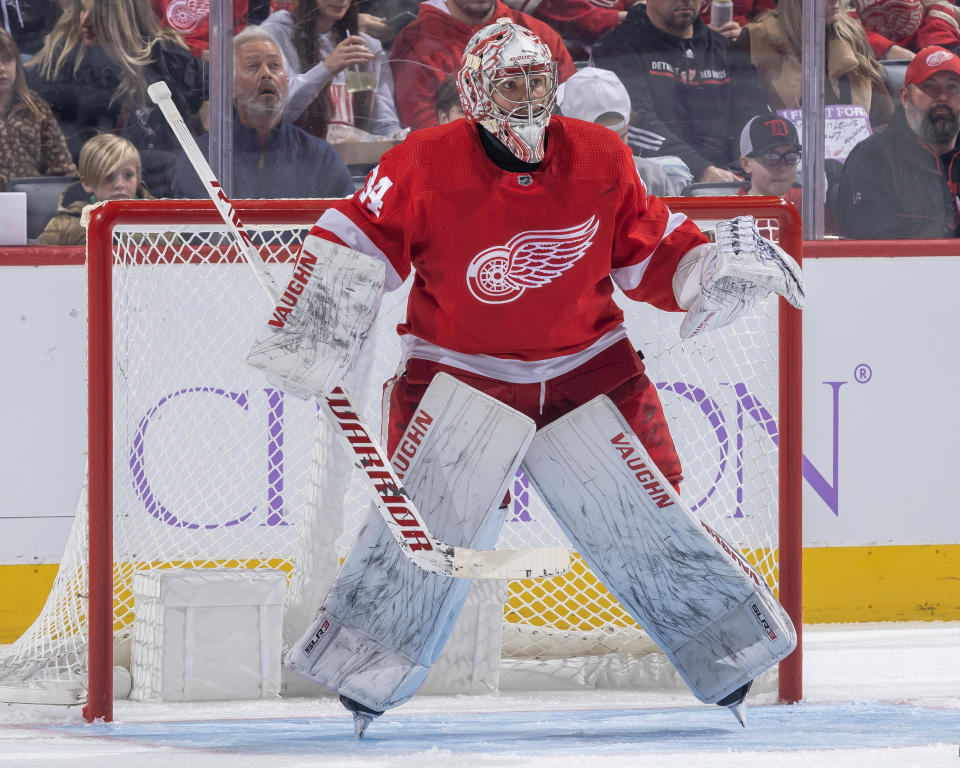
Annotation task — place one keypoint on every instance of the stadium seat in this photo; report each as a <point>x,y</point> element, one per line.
<point>894,70</point>
<point>712,188</point>
<point>43,194</point>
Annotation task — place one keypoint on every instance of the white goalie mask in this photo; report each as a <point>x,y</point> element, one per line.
<point>508,84</point>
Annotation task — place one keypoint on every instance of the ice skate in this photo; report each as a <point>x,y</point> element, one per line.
<point>736,702</point>
<point>362,716</point>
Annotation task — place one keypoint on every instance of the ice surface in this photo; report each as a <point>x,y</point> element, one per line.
<point>878,695</point>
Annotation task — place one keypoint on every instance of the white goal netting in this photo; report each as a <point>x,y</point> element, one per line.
<point>214,467</point>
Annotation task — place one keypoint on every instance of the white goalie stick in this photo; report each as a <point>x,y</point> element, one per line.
<point>400,515</point>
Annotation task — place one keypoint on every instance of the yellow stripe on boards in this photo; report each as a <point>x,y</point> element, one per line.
<point>24,589</point>
<point>895,583</point>
<point>840,584</point>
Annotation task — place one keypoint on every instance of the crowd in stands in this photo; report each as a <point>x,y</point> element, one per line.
<point>323,87</point>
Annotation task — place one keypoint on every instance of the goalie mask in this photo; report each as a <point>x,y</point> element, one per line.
<point>508,84</point>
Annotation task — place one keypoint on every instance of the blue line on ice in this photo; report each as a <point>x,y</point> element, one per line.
<point>610,731</point>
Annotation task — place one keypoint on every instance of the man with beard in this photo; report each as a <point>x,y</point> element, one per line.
<point>904,181</point>
<point>691,93</point>
<point>271,157</point>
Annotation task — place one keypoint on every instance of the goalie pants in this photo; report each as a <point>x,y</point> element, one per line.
<point>617,372</point>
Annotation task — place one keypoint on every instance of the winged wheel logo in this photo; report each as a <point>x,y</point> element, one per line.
<point>530,259</point>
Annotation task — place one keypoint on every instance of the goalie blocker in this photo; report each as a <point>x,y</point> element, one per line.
<point>321,318</point>
<point>709,611</point>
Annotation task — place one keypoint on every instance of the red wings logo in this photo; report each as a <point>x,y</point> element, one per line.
<point>185,15</point>
<point>529,260</point>
<point>938,57</point>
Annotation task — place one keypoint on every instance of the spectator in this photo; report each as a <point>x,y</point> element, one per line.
<point>769,155</point>
<point>448,101</point>
<point>94,69</point>
<point>338,75</point>
<point>191,19</point>
<point>582,21</point>
<point>853,74</point>
<point>271,157</point>
<point>598,96</point>
<point>109,170</point>
<point>897,28</point>
<point>382,19</point>
<point>691,96</point>
<point>904,181</point>
<point>28,21</point>
<point>430,48</point>
<point>31,142</point>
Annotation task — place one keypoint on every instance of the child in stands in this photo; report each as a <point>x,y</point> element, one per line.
<point>109,170</point>
<point>770,155</point>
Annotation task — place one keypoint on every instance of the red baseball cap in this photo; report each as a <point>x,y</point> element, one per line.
<point>928,62</point>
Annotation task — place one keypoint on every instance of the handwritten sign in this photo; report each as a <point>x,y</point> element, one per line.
<point>846,126</point>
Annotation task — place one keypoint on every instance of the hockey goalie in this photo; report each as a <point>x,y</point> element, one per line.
<point>517,224</point>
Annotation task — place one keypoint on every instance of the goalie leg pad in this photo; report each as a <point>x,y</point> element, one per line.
<point>384,620</point>
<point>701,602</point>
<point>321,318</point>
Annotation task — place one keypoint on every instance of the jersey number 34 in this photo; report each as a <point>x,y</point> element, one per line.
<point>373,192</point>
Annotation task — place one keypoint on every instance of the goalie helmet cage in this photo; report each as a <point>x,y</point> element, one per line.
<point>153,235</point>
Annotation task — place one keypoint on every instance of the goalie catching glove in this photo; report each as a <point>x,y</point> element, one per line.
<point>719,282</point>
<point>321,318</point>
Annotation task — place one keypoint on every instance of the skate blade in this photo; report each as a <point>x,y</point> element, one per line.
<point>740,711</point>
<point>736,702</point>
<point>360,722</point>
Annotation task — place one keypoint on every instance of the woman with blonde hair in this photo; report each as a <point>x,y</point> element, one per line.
<point>341,85</point>
<point>96,64</point>
<point>853,74</point>
<point>31,142</point>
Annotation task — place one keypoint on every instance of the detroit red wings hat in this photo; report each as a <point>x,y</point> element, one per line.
<point>928,62</point>
<point>764,132</point>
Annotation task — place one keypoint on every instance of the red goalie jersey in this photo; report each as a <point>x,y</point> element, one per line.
<point>514,271</point>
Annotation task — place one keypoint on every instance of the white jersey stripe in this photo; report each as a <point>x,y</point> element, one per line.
<point>354,237</point>
<point>648,134</point>
<point>628,278</point>
<point>514,371</point>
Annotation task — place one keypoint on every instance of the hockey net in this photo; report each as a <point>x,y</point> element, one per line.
<point>196,461</point>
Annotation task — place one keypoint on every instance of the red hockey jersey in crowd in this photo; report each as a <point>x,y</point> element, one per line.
<point>191,18</point>
<point>911,24</point>
<point>585,21</point>
<point>514,271</point>
<point>431,46</point>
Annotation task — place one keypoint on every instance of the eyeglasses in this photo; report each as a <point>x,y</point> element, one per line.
<point>772,160</point>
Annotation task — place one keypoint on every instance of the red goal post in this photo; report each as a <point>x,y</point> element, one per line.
<point>153,216</point>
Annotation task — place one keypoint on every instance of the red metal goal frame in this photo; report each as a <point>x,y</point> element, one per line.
<point>100,404</point>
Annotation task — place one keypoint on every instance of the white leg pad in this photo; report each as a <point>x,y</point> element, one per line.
<point>701,602</point>
<point>384,620</point>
